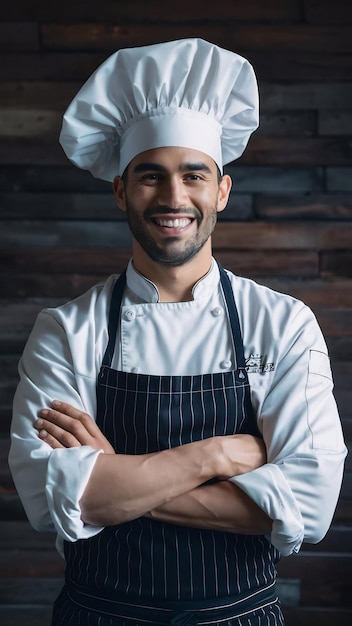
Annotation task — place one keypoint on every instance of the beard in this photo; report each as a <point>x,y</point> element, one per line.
<point>173,251</point>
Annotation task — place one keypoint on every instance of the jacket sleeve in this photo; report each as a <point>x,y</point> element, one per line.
<point>299,486</point>
<point>50,482</point>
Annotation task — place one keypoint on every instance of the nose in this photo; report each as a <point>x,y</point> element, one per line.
<point>173,193</point>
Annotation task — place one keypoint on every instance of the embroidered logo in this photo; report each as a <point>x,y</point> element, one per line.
<point>255,364</point>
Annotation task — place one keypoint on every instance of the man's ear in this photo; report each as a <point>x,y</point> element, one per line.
<point>224,192</point>
<point>119,191</point>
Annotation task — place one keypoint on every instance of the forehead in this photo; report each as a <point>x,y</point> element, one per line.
<point>173,159</point>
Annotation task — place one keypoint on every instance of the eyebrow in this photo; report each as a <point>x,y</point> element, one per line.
<point>185,167</point>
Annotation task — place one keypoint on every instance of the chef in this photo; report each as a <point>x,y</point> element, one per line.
<point>215,445</point>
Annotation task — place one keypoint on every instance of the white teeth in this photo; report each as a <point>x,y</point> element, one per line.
<point>177,223</point>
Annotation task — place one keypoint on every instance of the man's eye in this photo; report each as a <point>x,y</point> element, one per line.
<point>151,177</point>
<point>193,177</point>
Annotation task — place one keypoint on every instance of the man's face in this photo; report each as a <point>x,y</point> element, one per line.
<point>171,198</point>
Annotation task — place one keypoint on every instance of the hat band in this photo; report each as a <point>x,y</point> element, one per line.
<point>171,126</point>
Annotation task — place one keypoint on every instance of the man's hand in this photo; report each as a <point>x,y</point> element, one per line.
<point>63,426</point>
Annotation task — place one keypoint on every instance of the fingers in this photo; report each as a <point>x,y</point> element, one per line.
<point>53,433</point>
<point>62,409</point>
<point>67,427</point>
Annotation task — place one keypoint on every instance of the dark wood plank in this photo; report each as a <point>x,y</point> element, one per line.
<point>11,507</point>
<point>304,96</point>
<point>335,122</point>
<point>338,540</point>
<point>271,179</point>
<point>307,207</point>
<point>298,151</point>
<point>39,563</point>
<point>74,261</point>
<point>67,206</point>
<point>334,322</point>
<point>29,591</point>
<point>4,451</point>
<point>59,233</point>
<point>317,616</point>
<point>286,10</point>
<point>340,348</point>
<point>279,38</point>
<point>47,96</point>
<point>23,537</point>
<point>343,511</point>
<point>336,263</point>
<point>339,178</point>
<point>281,123</point>
<point>19,36</point>
<point>323,578</point>
<point>43,66</point>
<point>12,615</point>
<point>347,429</point>
<point>300,66</point>
<point>30,123</point>
<point>327,12</point>
<point>41,179</point>
<point>283,235</point>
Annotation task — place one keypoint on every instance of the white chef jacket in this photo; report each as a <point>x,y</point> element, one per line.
<point>289,375</point>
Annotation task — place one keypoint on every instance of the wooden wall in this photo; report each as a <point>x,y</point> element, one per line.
<point>289,223</point>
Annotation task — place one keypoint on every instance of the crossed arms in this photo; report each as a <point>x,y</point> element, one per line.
<point>167,485</point>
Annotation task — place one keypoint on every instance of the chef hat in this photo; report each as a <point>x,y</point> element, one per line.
<point>187,93</point>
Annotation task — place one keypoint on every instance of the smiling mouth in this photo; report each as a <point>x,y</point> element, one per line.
<point>179,222</point>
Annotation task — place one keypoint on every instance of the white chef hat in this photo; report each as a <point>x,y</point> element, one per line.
<point>187,93</point>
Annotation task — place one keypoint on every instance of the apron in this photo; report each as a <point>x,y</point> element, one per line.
<point>151,572</point>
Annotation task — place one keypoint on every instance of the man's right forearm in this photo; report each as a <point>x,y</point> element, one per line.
<point>125,487</point>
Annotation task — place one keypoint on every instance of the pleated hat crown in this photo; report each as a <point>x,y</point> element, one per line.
<point>187,93</point>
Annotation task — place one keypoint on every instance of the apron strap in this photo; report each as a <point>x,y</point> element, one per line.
<point>114,317</point>
<point>238,344</point>
<point>234,319</point>
<point>177,612</point>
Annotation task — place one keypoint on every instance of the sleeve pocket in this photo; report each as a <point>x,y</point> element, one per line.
<point>319,363</point>
<point>321,407</point>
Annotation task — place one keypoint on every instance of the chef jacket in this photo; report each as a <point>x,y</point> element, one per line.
<point>291,392</point>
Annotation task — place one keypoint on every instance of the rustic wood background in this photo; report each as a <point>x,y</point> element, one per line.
<point>289,223</point>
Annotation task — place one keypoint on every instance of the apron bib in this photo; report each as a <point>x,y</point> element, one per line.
<point>145,571</point>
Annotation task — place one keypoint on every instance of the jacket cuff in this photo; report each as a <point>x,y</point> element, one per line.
<point>68,473</point>
<point>268,488</point>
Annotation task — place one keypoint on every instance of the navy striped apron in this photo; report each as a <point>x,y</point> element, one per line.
<point>151,572</point>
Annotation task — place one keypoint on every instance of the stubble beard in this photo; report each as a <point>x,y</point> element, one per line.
<point>170,255</point>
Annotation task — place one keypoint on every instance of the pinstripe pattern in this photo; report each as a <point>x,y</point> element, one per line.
<point>150,559</point>
<point>142,557</point>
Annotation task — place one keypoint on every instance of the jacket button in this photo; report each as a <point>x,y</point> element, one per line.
<point>217,311</point>
<point>225,365</point>
<point>130,315</point>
